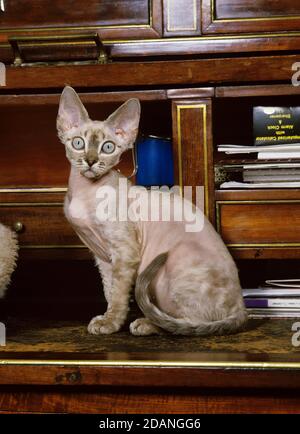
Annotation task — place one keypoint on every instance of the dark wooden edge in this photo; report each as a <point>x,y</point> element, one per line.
<point>260,253</point>
<point>287,194</point>
<point>205,45</point>
<point>188,46</point>
<point>261,90</point>
<point>107,97</point>
<point>189,72</point>
<point>74,375</point>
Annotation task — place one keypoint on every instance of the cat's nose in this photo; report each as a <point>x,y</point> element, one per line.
<point>91,161</point>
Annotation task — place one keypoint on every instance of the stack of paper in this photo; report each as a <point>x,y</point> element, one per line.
<point>280,298</point>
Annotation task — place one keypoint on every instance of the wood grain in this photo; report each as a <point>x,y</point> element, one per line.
<point>151,401</point>
<point>245,69</point>
<point>260,223</point>
<point>192,143</point>
<point>124,18</point>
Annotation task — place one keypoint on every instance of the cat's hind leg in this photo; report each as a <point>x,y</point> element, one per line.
<point>143,327</point>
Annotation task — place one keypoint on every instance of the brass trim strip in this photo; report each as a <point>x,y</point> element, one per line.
<point>31,204</point>
<point>154,363</point>
<point>190,39</point>
<point>203,107</point>
<point>233,20</point>
<point>34,190</point>
<point>63,29</point>
<point>176,29</point>
<point>256,201</point>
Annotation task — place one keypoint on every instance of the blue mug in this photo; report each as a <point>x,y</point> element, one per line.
<point>155,162</point>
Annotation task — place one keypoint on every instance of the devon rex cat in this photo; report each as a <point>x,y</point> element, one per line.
<point>186,283</point>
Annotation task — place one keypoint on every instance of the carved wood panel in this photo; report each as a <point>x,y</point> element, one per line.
<point>242,16</point>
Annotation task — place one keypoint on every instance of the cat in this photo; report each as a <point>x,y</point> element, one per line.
<point>8,256</point>
<point>185,283</point>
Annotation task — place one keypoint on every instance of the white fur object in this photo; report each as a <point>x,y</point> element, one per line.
<point>8,256</point>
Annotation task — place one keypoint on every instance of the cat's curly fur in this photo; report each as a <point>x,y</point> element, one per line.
<point>8,256</point>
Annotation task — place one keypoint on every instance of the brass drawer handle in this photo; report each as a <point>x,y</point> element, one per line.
<point>16,41</point>
<point>18,227</point>
<point>2,6</point>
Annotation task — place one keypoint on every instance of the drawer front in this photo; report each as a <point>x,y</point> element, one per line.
<point>44,224</point>
<point>63,13</point>
<point>113,19</point>
<point>259,223</point>
<point>224,16</point>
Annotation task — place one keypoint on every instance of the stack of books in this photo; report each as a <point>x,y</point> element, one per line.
<point>276,143</point>
<point>276,298</point>
<point>283,151</point>
<point>262,175</point>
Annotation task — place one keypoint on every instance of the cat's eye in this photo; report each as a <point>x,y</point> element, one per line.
<point>108,147</point>
<point>78,143</point>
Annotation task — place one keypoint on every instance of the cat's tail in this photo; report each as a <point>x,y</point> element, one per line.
<point>179,326</point>
<point>8,256</point>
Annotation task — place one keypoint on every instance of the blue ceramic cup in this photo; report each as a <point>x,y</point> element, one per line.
<point>155,162</point>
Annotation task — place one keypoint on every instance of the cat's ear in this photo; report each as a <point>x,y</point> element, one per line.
<point>72,112</point>
<point>124,122</point>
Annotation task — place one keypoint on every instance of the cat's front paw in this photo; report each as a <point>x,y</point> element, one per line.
<point>143,327</point>
<point>100,325</point>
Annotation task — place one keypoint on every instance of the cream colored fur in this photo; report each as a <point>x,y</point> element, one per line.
<point>186,283</point>
<point>8,256</point>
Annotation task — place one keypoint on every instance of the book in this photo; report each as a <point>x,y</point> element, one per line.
<point>271,312</point>
<point>269,178</point>
<point>273,125</point>
<point>264,292</point>
<point>278,155</point>
<point>284,283</point>
<point>272,302</point>
<point>272,165</point>
<point>235,185</point>
<point>246,149</point>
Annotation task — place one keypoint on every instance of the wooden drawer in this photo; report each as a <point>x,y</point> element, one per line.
<point>224,16</point>
<point>259,223</point>
<point>43,220</point>
<point>121,18</point>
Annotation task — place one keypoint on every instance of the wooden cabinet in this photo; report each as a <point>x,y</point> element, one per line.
<point>147,28</point>
<point>121,18</point>
<point>187,63</point>
<point>242,16</point>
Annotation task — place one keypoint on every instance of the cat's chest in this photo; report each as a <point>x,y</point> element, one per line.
<point>80,211</point>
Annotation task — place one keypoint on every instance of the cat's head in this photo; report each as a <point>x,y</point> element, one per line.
<point>95,147</point>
